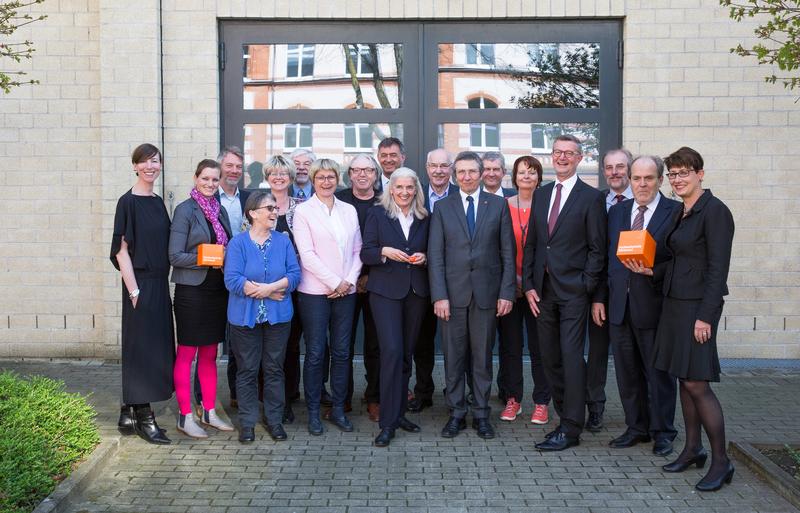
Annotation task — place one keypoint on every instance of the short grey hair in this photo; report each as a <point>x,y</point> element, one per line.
<point>625,152</point>
<point>299,152</point>
<point>279,163</point>
<point>374,163</point>
<point>230,149</point>
<point>417,205</point>
<point>495,155</point>
<point>652,158</point>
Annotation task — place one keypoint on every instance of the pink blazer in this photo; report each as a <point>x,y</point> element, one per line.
<point>323,265</point>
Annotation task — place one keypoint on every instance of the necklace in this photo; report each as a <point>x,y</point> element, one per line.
<point>523,229</point>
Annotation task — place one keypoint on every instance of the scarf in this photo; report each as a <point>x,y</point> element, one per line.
<point>210,207</point>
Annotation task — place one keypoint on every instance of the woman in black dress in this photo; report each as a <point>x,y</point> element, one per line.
<point>139,252</point>
<point>700,241</point>
<point>201,299</point>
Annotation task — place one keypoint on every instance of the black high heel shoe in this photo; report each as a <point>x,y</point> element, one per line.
<point>125,422</point>
<point>698,460</point>
<point>709,484</point>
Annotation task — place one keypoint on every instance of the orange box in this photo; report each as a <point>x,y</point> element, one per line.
<point>212,255</point>
<point>637,245</point>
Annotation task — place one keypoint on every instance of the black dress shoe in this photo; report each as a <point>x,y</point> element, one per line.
<point>247,435</point>
<point>341,422</point>
<point>484,428</point>
<point>595,422</point>
<point>288,414</point>
<point>662,447</point>
<point>125,422</point>
<point>384,437</point>
<point>418,404</point>
<point>407,426</point>
<point>453,427</point>
<point>558,442</point>
<point>277,432</point>
<point>699,460</point>
<point>146,427</point>
<point>714,483</point>
<point>551,434</point>
<point>628,439</point>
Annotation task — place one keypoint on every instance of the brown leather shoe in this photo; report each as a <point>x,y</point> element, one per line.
<point>374,411</point>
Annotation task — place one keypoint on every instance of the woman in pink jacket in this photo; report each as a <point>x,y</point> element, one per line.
<point>328,241</point>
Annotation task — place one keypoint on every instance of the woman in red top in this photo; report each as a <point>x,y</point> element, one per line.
<point>526,177</point>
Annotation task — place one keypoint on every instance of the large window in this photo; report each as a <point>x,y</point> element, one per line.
<point>339,87</point>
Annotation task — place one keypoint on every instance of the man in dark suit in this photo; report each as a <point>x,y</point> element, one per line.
<point>302,159</point>
<point>563,263</point>
<point>494,169</point>
<point>634,308</point>
<point>439,187</point>
<point>391,155</point>
<point>472,275</point>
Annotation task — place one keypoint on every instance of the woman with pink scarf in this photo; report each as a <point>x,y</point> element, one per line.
<point>201,299</point>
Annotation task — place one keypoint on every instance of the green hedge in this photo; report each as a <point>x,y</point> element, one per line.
<point>44,433</point>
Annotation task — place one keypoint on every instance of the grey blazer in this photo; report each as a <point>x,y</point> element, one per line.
<point>190,229</point>
<point>483,267</point>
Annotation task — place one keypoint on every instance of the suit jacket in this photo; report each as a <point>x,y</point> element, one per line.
<point>293,192</point>
<point>190,229</point>
<point>451,189</point>
<point>701,255</point>
<point>507,193</point>
<point>394,280</point>
<point>645,292</point>
<point>575,254</point>
<point>460,268</point>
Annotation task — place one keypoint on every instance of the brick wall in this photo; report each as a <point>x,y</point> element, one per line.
<point>66,145</point>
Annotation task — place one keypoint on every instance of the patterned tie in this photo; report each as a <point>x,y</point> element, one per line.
<point>301,194</point>
<point>638,221</point>
<point>471,216</point>
<point>619,198</point>
<point>551,221</point>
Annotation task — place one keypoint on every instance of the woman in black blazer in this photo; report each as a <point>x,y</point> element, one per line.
<point>700,241</point>
<point>394,246</point>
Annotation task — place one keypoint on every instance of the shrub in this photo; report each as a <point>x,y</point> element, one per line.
<point>44,433</point>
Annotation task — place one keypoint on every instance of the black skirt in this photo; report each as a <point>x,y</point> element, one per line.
<point>676,350</point>
<point>201,311</point>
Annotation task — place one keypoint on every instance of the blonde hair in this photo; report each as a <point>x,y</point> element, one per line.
<point>418,203</point>
<point>279,163</point>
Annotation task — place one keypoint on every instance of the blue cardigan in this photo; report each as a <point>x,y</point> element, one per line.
<point>244,261</point>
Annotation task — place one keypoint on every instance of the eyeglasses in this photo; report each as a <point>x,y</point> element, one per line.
<point>270,208</point>
<point>362,170</point>
<point>326,178</point>
<point>683,173</point>
<point>568,154</point>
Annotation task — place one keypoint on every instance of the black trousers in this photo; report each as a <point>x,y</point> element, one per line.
<point>596,365</point>
<point>425,354</point>
<point>260,347</point>
<point>509,376</point>
<point>647,394</point>
<point>561,326</point>
<point>400,320</point>
<point>372,350</point>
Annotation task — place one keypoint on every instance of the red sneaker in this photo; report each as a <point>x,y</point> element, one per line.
<point>539,414</point>
<point>512,409</point>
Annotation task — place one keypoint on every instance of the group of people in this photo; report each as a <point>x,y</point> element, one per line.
<point>463,256</point>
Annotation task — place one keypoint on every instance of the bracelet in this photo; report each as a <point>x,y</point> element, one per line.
<point>133,294</point>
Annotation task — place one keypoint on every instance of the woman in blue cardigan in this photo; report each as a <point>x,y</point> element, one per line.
<point>261,271</point>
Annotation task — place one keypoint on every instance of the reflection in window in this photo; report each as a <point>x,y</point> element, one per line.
<point>483,135</point>
<point>299,61</point>
<point>480,53</point>
<point>297,135</point>
<point>358,136</point>
<point>540,139</point>
<point>361,55</point>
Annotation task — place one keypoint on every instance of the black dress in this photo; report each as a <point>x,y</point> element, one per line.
<point>201,311</point>
<point>148,344</point>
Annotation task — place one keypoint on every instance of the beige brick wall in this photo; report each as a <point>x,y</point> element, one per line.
<point>66,145</point>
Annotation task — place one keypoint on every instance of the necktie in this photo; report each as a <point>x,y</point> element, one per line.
<point>619,198</point>
<point>471,216</point>
<point>638,221</point>
<point>301,194</point>
<point>551,221</point>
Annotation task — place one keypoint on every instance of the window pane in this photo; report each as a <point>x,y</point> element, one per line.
<point>520,75</point>
<point>337,141</point>
<point>513,140</point>
<point>307,76</point>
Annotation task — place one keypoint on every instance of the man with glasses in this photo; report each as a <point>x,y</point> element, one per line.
<point>391,155</point>
<point>438,167</point>
<point>363,173</point>
<point>302,189</point>
<point>563,263</point>
<point>494,169</point>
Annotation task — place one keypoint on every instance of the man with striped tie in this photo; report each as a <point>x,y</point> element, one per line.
<point>302,189</point>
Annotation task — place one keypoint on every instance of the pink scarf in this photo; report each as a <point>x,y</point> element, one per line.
<point>210,207</point>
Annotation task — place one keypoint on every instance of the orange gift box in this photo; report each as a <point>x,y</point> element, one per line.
<point>211,255</point>
<point>637,245</point>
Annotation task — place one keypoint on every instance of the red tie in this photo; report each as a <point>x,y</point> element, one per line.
<point>619,198</point>
<point>551,221</point>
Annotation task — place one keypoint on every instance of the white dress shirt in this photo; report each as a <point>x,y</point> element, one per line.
<point>611,197</point>
<point>465,203</point>
<point>405,221</point>
<point>566,188</point>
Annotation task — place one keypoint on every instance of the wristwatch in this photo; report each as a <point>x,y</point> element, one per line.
<point>134,294</point>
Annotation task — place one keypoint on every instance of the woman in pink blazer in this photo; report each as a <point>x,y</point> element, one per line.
<point>328,241</point>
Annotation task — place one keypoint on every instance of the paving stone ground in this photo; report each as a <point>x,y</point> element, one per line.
<point>343,472</point>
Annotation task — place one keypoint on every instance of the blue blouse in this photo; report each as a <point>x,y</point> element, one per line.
<point>245,261</point>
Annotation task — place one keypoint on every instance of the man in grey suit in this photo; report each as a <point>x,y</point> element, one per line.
<point>472,277</point>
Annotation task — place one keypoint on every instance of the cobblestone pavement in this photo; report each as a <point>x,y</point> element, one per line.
<point>343,472</point>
